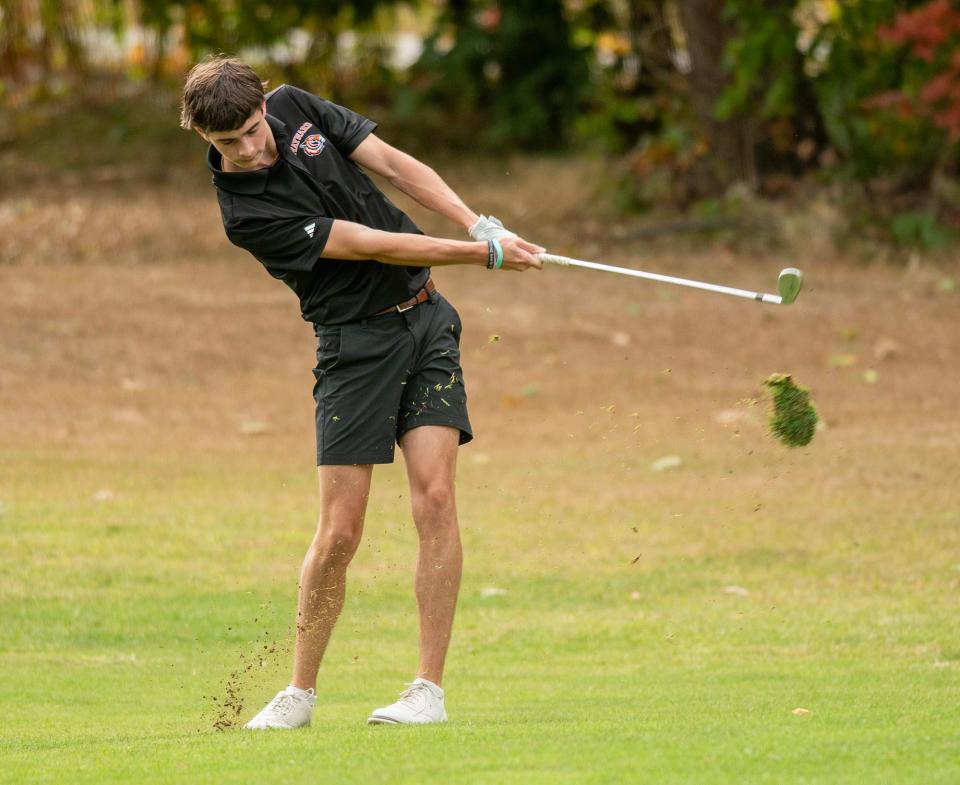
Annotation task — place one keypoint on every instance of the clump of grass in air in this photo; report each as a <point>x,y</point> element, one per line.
<point>794,418</point>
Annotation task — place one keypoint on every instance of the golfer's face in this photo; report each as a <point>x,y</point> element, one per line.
<point>243,147</point>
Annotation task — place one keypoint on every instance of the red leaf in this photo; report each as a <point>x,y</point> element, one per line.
<point>926,28</point>
<point>938,88</point>
<point>894,99</point>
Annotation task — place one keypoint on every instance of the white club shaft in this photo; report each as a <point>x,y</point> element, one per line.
<point>550,258</point>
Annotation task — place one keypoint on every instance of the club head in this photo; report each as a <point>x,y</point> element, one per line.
<point>789,284</point>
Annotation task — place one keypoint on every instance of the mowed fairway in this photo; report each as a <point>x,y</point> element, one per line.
<point>755,615</point>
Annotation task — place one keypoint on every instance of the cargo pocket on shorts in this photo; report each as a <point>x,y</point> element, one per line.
<point>329,350</point>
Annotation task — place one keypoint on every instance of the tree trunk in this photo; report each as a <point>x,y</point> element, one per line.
<point>651,40</point>
<point>730,142</point>
<point>11,39</point>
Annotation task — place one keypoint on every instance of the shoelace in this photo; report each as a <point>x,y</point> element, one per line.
<point>282,704</point>
<point>411,695</point>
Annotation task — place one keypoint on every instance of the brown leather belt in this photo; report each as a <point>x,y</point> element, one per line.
<point>420,297</point>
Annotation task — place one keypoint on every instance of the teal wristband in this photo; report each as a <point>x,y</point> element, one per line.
<point>499,249</point>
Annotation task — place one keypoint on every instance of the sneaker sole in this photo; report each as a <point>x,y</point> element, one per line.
<point>375,720</point>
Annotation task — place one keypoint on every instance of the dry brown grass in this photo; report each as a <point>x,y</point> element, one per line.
<point>128,321</point>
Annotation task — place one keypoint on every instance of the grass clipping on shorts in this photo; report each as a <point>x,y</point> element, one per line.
<point>794,417</point>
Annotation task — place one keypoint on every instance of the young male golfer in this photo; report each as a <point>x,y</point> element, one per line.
<point>287,169</point>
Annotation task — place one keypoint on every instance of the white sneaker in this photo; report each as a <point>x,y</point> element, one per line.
<point>291,708</point>
<point>420,703</point>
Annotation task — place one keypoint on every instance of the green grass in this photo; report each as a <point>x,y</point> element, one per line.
<point>122,619</point>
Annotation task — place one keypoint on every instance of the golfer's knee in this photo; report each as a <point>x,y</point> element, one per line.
<point>336,540</point>
<point>434,500</point>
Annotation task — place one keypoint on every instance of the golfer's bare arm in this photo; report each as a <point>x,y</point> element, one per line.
<point>414,178</point>
<point>353,241</point>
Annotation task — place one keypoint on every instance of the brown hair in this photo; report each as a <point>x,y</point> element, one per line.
<point>220,94</point>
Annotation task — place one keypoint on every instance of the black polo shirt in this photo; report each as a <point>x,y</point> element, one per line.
<point>282,214</point>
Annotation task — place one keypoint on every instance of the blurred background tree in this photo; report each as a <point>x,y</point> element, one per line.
<point>509,75</point>
<point>694,97</point>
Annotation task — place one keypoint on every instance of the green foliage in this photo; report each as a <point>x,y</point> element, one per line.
<point>867,92</point>
<point>793,419</point>
<point>498,76</point>
<point>300,37</point>
<point>919,229</point>
<point>853,68</point>
<point>658,165</point>
<point>762,59</point>
<point>627,104</point>
<point>614,117</point>
<point>229,25</point>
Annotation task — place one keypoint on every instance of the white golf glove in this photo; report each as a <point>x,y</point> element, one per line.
<point>489,228</point>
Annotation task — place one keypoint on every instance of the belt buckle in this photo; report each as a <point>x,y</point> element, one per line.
<point>401,309</point>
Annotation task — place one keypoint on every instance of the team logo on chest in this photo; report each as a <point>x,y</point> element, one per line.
<point>313,144</point>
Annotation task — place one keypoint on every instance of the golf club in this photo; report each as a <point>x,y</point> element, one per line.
<point>788,284</point>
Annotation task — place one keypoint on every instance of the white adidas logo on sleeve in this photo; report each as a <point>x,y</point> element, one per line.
<point>309,228</point>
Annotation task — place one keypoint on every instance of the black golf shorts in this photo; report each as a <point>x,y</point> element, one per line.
<point>380,377</point>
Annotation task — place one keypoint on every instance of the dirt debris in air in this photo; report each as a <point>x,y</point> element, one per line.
<point>228,704</point>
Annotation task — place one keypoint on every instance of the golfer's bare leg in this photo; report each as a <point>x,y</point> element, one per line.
<point>431,456</point>
<point>323,578</point>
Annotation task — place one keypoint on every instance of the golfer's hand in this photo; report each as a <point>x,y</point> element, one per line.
<point>489,228</point>
<point>518,254</point>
